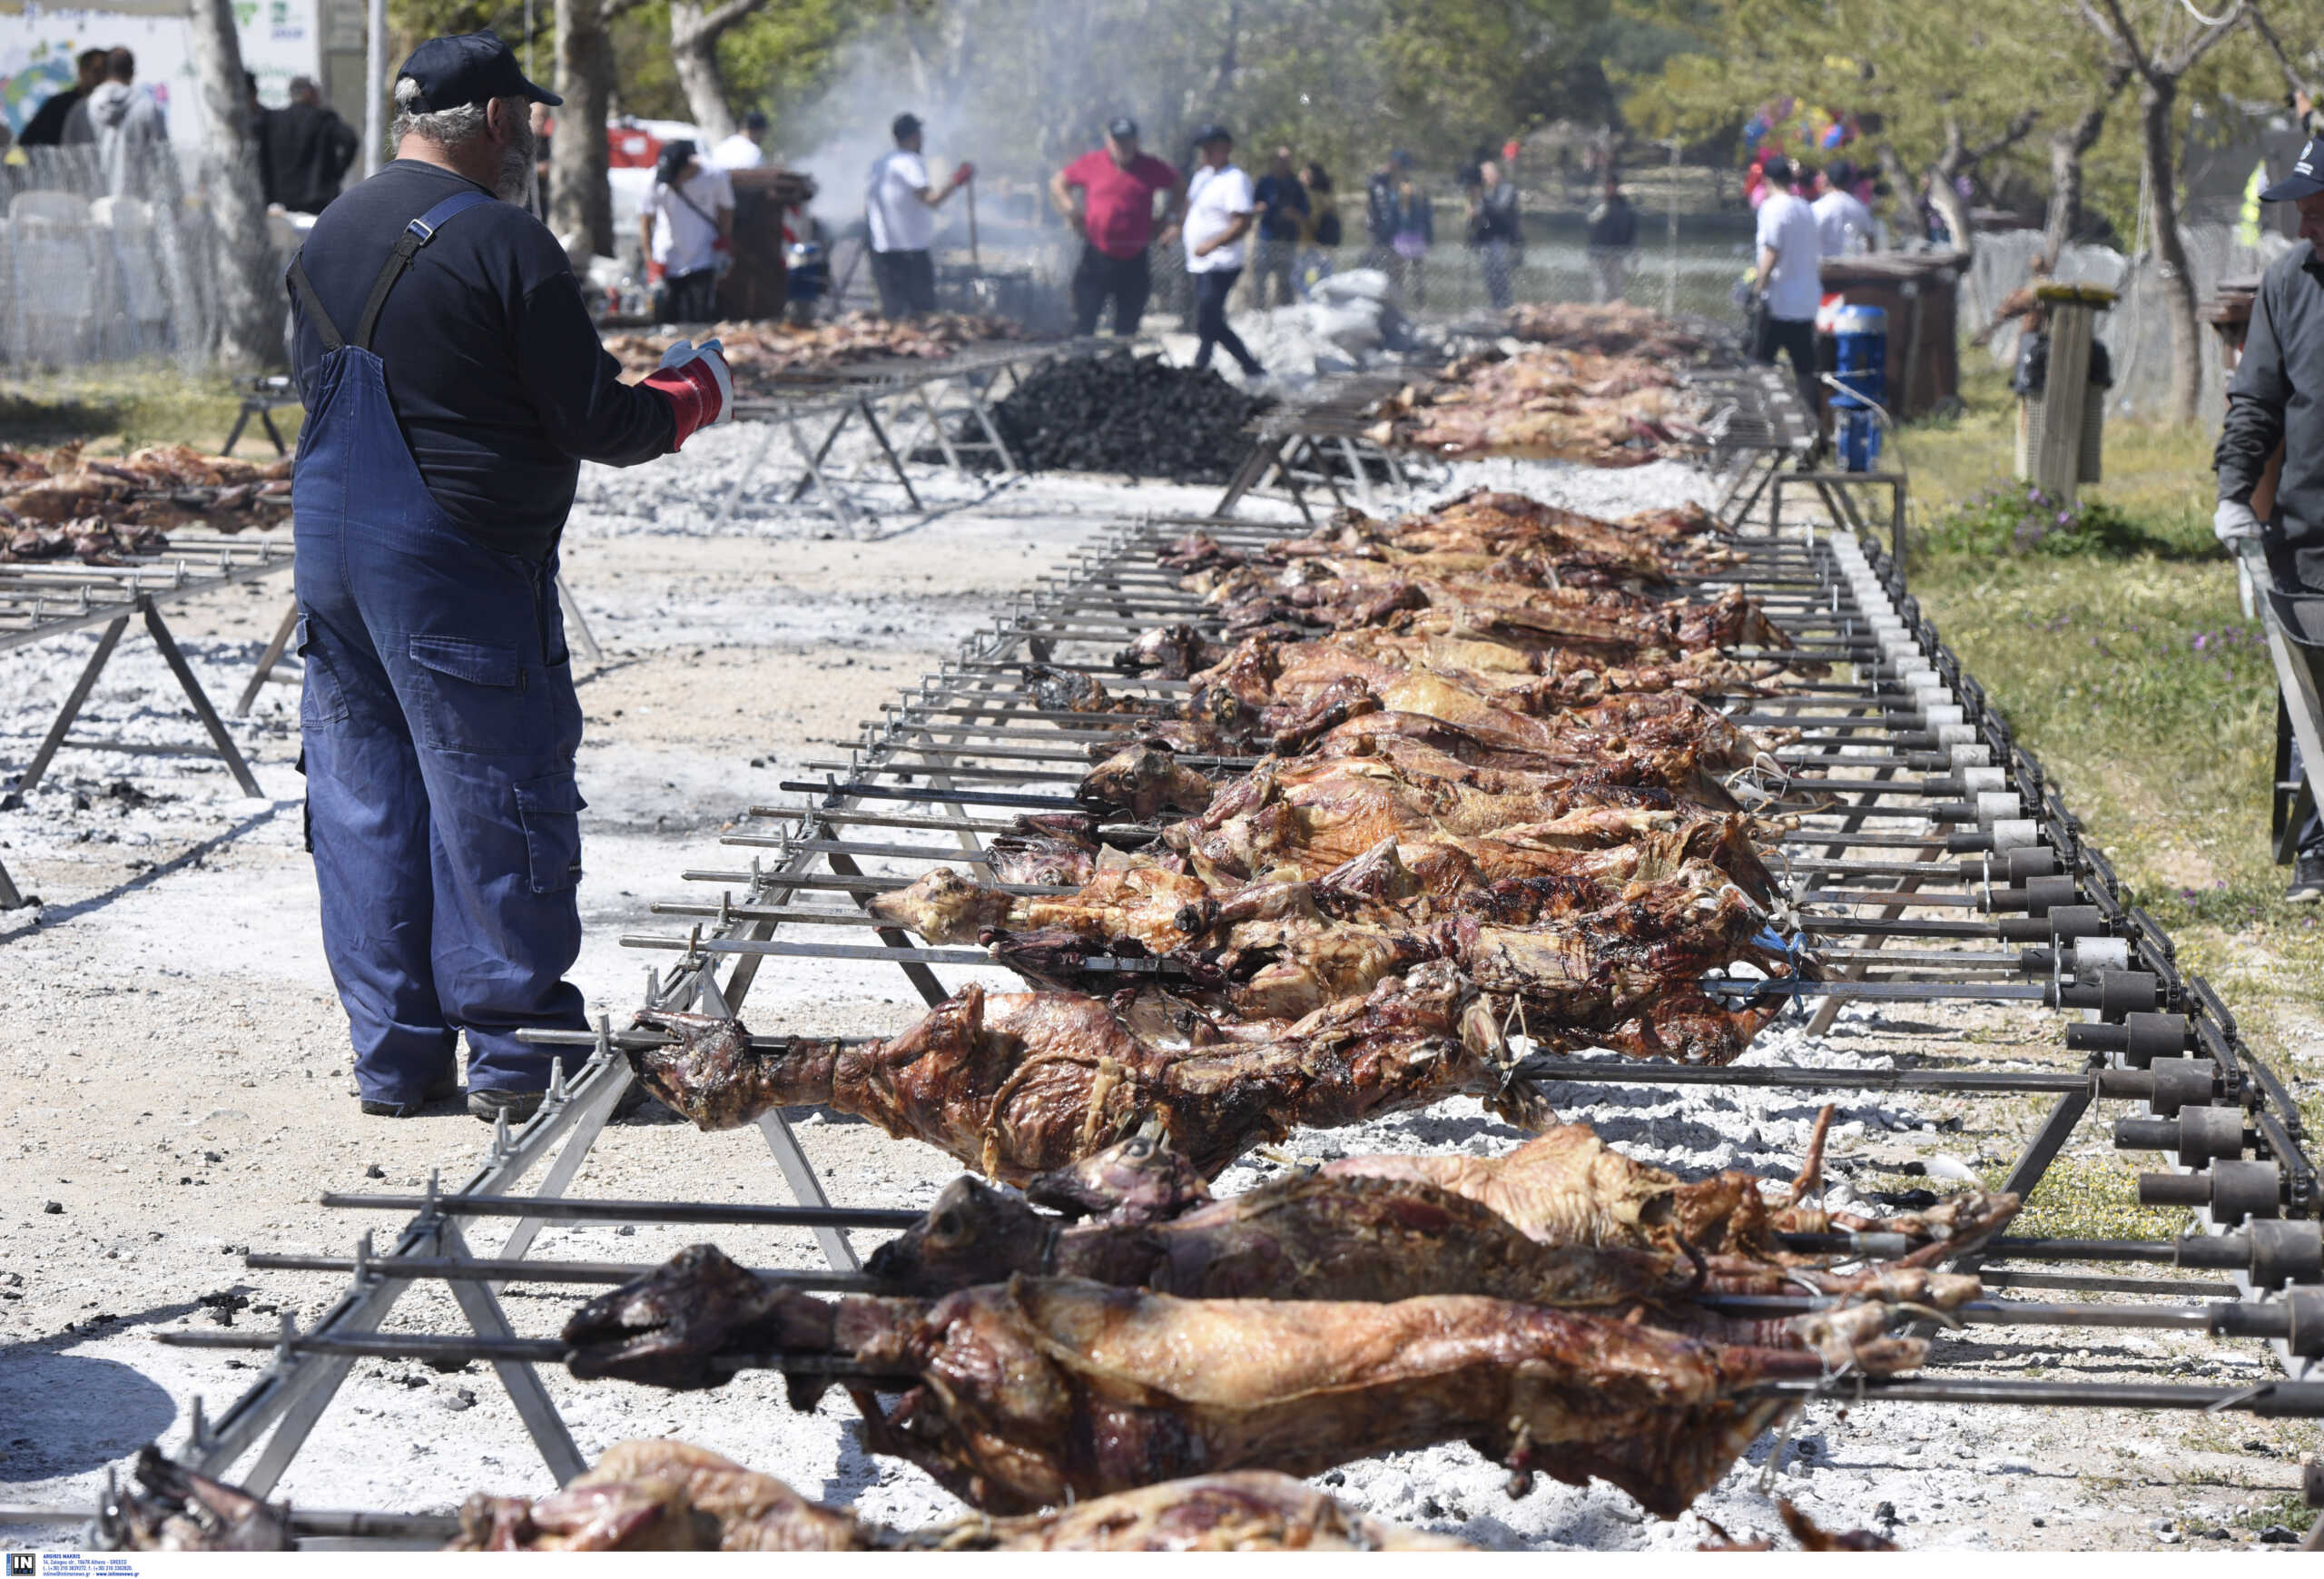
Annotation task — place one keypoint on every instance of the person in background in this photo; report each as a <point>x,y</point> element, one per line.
<point>1324,235</point>
<point>900,208</point>
<point>127,126</point>
<point>454,385</point>
<point>1786,278</point>
<point>1494,230</point>
<point>1220,211</point>
<point>1402,222</point>
<point>685,226</point>
<point>1380,211</point>
<point>46,128</point>
<point>1843,225</point>
<point>1114,218</point>
<point>2275,418</point>
<point>1611,243</point>
<point>1283,221</point>
<point>308,149</point>
<point>746,149</point>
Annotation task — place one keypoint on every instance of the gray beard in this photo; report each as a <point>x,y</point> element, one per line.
<point>513,182</point>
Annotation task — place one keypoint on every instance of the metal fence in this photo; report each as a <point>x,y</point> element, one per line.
<point>2137,331</point>
<point>99,266</point>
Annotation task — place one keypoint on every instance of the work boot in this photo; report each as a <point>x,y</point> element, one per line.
<point>444,1087</point>
<point>520,1106</point>
<point>2306,878</point>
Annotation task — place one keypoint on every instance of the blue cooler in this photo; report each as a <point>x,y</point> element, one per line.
<point>807,273</point>
<point>1863,336</point>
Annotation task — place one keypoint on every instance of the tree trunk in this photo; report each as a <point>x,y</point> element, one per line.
<point>580,203</point>
<point>251,302</point>
<point>2067,148</point>
<point>1946,198</point>
<point>693,51</point>
<point>2156,101</point>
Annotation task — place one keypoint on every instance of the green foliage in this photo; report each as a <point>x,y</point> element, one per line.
<point>2017,518</point>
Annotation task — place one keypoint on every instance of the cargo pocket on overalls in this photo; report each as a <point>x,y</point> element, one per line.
<point>470,697</point>
<point>550,810</point>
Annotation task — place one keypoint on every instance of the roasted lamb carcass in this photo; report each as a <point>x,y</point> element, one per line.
<point>1318,1237</point>
<point>662,1496</point>
<point>1623,976</point>
<point>1043,1391</point>
<point>1568,1186</point>
<point>1018,1084</point>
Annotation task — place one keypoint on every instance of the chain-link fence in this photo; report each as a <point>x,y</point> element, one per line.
<point>107,266</point>
<point>2137,331</point>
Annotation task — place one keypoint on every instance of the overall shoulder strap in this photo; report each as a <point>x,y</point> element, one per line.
<point>312,303</point>
<point>416,235</point>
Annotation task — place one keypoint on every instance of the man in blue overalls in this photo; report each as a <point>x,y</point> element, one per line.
<point>453,384</point>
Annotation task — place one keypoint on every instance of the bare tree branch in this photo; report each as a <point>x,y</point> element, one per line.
<point>2205,42</point>
<point>714,22</point>
<point>2116,29</point>
<point>2015,132</point>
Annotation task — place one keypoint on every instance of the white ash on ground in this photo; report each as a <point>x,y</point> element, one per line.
<point>173,1076</point>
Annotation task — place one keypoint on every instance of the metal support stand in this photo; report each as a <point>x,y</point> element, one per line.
<point>576,625</point>
<point>221,745</point>
<point>267,660</point>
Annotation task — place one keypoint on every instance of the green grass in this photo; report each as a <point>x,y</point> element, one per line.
<point>116,408</point>
<point>2113,645</point>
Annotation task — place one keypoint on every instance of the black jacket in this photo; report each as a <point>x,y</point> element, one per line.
<point>46,128</point>
<point>2278,396</point>
<point>304,151</point>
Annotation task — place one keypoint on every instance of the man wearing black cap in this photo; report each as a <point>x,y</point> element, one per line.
<point>899,210</point>
<point>2270,456</point>
<point>1116,217</point>
<point>453,384</point>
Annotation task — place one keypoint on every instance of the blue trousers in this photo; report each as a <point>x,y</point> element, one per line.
<point>439,726</point>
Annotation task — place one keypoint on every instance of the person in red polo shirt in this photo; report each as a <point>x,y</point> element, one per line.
<point>1115,219</point>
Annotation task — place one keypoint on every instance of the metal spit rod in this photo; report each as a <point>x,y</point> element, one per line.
<point>2281,1399</point>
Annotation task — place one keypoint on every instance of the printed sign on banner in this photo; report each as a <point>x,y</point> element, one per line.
<point>280,39</point>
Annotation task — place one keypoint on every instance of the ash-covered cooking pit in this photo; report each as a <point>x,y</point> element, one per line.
<point>1121,412</point>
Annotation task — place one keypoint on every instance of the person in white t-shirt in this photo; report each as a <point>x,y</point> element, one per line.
<point>1842,222</point>
<point>1789,285</point>
<point>686,228</point>
<point>742,150</point>
<point>1220,207</point>
<point>900,209</point>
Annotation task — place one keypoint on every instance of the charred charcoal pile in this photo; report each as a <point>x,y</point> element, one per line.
<point>1123,414</point>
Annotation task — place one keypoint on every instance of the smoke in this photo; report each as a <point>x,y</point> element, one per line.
<point>1022,87</point>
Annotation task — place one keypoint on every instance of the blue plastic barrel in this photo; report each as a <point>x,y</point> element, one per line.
<point>1862,333</point>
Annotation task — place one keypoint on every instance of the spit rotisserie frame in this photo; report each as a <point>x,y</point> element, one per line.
<point>814,853</point>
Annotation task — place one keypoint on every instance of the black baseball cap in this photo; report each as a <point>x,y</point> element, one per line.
<point>469,68</point>
<point>1121,126</point>
<point>2306,180</point>
<point>904,125</point>
<point>1213,132</point>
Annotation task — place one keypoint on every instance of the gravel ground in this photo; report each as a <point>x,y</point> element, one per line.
<point>173,1072</point>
